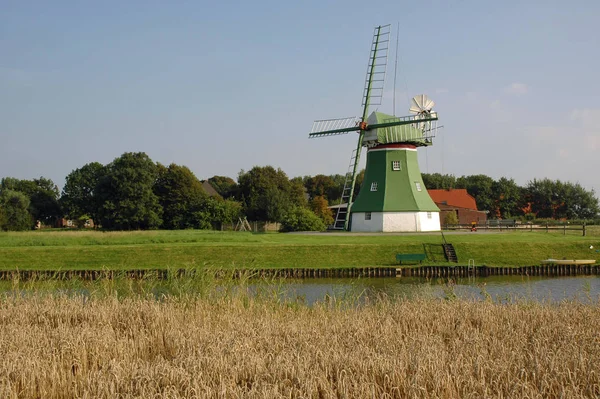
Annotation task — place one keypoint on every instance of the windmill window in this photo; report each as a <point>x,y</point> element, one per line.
<point>374,186</point>
<point>367,215</point>
<point>428,215</point>
<point>395,165</point>
<point>418,185</point>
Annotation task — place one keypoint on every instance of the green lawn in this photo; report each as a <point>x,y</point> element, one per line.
<point>60,249</point>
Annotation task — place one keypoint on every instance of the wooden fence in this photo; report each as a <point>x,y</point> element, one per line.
<point>512,225</point>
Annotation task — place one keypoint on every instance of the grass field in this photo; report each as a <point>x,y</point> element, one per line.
<point>239,346</point>
<point>60,249</point>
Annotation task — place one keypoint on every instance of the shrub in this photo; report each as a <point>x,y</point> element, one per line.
<point>451,218</point>
<point>302,219</point>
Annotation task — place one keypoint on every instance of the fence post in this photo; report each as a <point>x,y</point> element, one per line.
<point>584,228</point>
<point>565,229</point>
<point>546,226</point>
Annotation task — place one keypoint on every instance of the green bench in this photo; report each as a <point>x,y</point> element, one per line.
<point>410,257</point>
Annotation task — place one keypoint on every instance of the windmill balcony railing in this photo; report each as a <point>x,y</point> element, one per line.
<point>415,132</point>
<point>411,118</point>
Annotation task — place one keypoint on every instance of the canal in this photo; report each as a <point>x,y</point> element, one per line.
<point>584,289</point>
<point>503,289</point>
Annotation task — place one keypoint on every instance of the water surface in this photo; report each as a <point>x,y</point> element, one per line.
<point>585,289</point>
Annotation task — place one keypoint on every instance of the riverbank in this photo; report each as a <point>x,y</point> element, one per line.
<point>240,346</point>
<point>91,250</point>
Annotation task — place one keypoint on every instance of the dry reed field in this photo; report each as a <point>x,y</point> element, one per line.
<point>237,346</point>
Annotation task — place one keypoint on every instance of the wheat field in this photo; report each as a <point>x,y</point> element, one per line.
<point>237,346</point>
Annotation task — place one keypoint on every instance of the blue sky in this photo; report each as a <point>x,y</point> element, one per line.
<point>223,86</point>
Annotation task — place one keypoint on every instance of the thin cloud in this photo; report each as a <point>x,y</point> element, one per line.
<point>588,125</point>
<point>517,89</point>
<point>589,118</point>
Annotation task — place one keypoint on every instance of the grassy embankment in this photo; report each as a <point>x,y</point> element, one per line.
<point>42,250</point>
<point>240,346</point>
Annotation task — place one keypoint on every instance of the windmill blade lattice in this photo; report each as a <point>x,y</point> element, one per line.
<point>377,67</point>
<point>332,127</point>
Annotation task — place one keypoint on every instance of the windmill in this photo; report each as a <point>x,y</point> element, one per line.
<point>393,196</point>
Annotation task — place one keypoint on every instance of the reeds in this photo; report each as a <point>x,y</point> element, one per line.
<point>241,345</point>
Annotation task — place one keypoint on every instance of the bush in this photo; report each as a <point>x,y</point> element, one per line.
<point>302,219</point>
<point>451,218</point>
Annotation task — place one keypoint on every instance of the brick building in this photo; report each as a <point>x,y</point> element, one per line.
<point>459,201</point>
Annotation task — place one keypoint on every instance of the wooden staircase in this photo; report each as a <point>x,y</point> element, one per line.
<point>450,253</point>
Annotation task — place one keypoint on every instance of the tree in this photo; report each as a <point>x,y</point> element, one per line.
<point>437,181</point>
<point>576,202</point>
<point>334,194</point>
<point>508,198</point>
<point>320,207</point>
<point>126,193</point>
<point>319,186</point>
<point>182,198</point>
<point>298,195</point>
<point>275,203</point>
<point>225,186</point>
<point>302,219</point>
<point>79,198</point>
<point>265,193</point>
<point>26,187</point>
<point>43,197</point>
<point>559,200</point>
<point>14,211</point>
<point>542,197</point>
<point>583,204</point>
<point>480,187</point>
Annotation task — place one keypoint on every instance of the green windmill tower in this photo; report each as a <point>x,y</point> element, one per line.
<point>393,196</point>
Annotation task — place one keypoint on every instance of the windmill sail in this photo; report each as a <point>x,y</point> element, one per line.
<point>377,68</point>
<point>332,127</point>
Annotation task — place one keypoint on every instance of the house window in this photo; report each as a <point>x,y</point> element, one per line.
<point>395,165</point>
<point>374,186</point>
<point>367,215</point>
<point>428,215</point>
<point>418,185</point>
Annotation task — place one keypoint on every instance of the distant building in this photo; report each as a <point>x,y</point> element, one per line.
<point>209,189</point>
<point>459,201</point>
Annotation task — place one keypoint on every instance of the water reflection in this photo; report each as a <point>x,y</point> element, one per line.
<point>584,289</point>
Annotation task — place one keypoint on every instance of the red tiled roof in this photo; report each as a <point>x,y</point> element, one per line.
<point>457,197</point>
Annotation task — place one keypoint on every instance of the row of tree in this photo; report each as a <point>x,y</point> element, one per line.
<point>133,192</point>
<point>503,198</point>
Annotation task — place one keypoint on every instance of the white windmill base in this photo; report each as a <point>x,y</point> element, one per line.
<point>389,222</point>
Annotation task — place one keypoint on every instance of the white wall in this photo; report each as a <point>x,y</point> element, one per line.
<point>396,222</point>
<point>432,224</point>
<point>374,225</point>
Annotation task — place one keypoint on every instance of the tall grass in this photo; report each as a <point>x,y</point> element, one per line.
<point>238,345</point>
